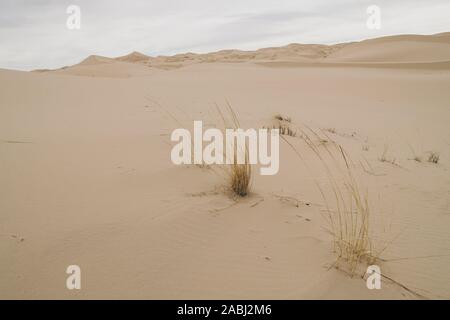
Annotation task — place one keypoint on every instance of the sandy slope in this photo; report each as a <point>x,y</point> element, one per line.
<point>408,48</point>
<point>87,178</point>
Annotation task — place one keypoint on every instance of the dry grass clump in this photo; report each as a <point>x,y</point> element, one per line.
<point>415,156</point>
<point>240,178</point>
<point>287,131</point>
<point>341,134</point>
<point>239,175</point>
<point>347,209</point>
<point>280,117</point>
<point>283,125</point>
<point>283,129</point>
<point>433,157</point>
<point>384,157</point>
<point>350,221</point>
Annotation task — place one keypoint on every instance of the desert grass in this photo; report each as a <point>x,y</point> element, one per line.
<point>415,155</point>
<point>347,207</point>
<point>283,125</point>
<point>433,157</point>
<point>384,157</point>
<point>240,178</point>
<point>239,174</point>
<point>341,134</point>
<point>280,117</point>
<point>283,130</point>
<point>331,130</point>
<point>351,222</point>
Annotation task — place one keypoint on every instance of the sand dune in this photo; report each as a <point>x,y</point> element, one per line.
<point>95,60</point>
<point>87,177</point>
<point>107,70</point>
<point>405,51</point>
<point>133,57</point>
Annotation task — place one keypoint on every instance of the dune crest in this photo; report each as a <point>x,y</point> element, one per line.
<point>133,57</point>
<point>402,51</point>
<point>95,60</point>
<point>403,48</point>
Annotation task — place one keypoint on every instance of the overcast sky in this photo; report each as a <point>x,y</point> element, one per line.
<point>33,33</point>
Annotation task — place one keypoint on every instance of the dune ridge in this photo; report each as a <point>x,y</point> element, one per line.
<point>404,51</point>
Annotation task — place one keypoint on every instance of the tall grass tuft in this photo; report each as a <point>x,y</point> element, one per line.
<point>347,209</point>
<point>350,221</point>
<point>239,174</point>
<point>240,178</point>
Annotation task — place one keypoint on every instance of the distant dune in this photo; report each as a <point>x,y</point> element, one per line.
<point>408,48</point>
<point>134,57</point>
<point>95,60</point>
<point>414,51</point>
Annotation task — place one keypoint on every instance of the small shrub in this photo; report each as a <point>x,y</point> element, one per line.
<point>279,117</point>
<point>284,130</point>
<point>433,157</point>
<point>384,157</point>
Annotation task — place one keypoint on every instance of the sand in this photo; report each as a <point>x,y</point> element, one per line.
<point>86,176</point>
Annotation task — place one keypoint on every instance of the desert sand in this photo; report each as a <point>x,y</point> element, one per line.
<point>86,175</point>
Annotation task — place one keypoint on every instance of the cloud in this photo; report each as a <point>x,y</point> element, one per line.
<point>33,34</point>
